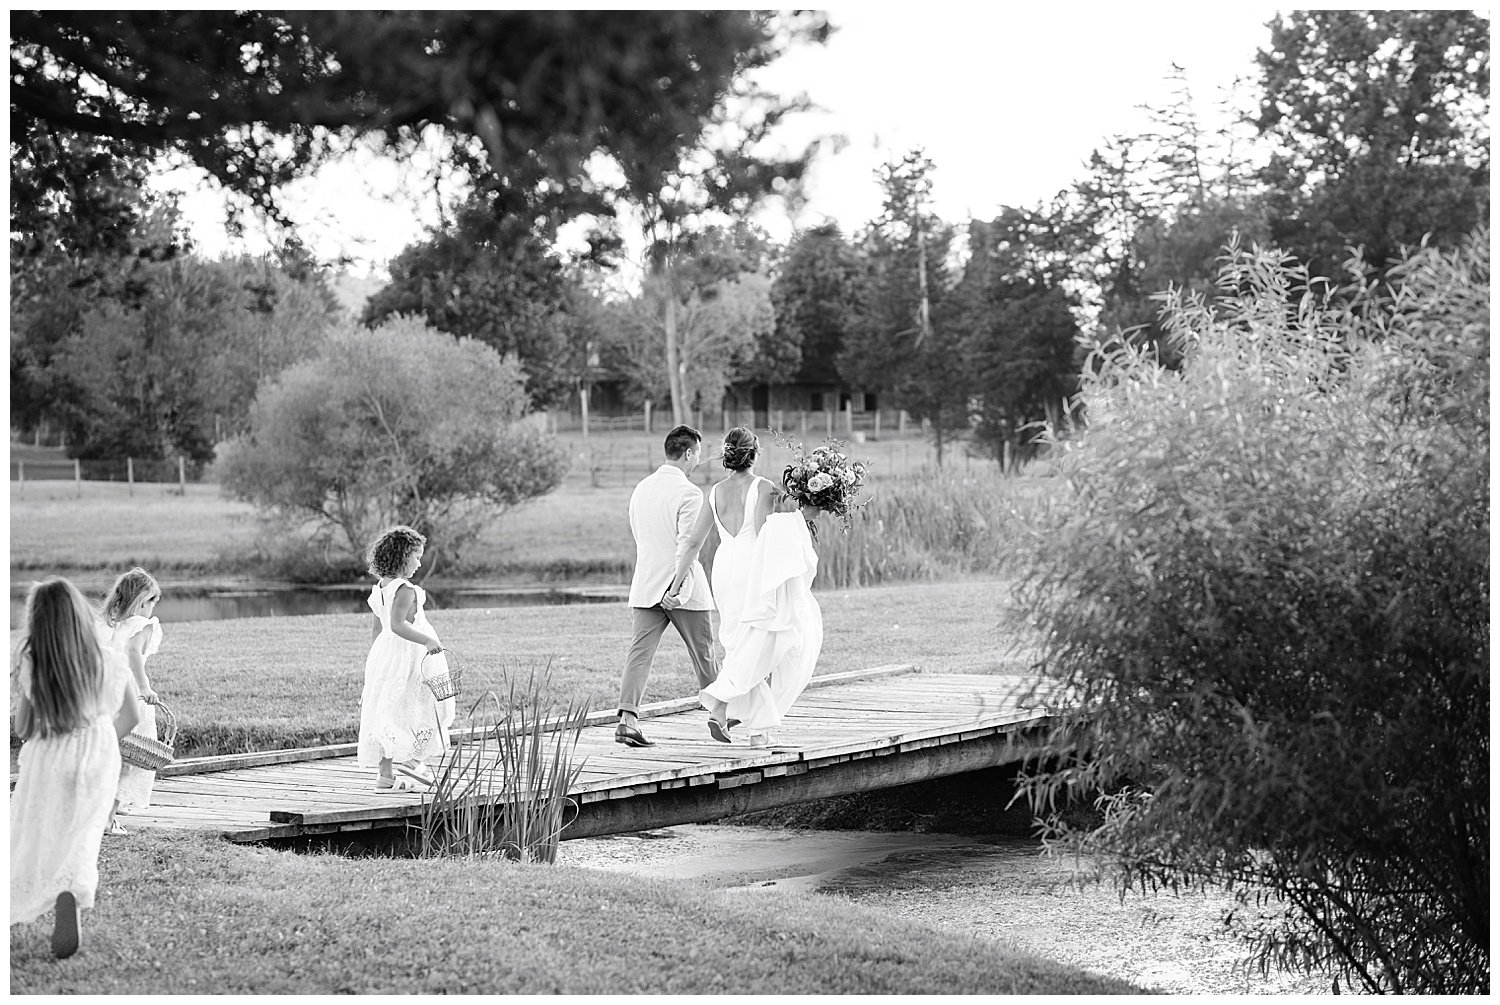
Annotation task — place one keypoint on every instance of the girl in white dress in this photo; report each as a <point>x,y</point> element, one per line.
<point>129,635</point>
<point>401,724</point>
<point>72,708</point>
<point>769,623</point>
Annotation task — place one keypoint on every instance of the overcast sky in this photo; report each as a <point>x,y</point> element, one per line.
<point>1007,102</point>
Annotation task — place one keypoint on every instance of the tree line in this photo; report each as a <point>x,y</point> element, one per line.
<point>976,326</point>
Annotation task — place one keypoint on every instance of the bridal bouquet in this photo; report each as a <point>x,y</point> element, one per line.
<point>827,479</point>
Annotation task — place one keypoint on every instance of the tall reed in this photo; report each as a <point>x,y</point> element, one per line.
<point>504,792</point>
<point>927,527</point>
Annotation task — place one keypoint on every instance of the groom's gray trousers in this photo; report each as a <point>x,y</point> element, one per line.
<point>650,622</point>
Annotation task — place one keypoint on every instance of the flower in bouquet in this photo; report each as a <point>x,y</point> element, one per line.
<point>825,478</point>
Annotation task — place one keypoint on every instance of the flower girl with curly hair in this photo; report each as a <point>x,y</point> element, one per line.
<point>401,724</point>
<point>72,707</point>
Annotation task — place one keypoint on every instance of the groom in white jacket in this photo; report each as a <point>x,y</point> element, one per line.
<point>663,509</point>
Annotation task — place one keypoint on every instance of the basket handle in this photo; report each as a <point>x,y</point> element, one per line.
<point>169,731</point>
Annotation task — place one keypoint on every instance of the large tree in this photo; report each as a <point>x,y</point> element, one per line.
<point>173,370</point>
<point>721,332</point>
<point>1019,332</point>
<point>257,98</point>
<point>488,275</point>
<point>902,343</point>
<point>712,173</point>
<point>818,294</point>
<point>1379,120</point>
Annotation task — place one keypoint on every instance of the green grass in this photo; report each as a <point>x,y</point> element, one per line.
<point>190,914</point>
<point>269,683</point>
<point>110,526</point>
<point>579,531</point>
<point>54,530</point>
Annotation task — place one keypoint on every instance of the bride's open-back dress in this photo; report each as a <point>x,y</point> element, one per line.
<point>769,623</point>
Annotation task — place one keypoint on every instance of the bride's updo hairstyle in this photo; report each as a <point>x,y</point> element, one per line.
<point>740,448</point>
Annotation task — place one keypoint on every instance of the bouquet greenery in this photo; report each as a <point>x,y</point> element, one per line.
<point>825,479</point>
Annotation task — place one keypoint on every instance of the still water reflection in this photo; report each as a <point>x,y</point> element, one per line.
<point>277,602</point>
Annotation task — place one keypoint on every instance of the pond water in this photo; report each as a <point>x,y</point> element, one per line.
<point>990,887</point>
<point>211,603</point>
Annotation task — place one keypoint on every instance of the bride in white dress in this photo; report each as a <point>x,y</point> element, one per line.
<point>770,625</point>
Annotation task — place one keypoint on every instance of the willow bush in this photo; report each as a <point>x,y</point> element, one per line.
<point>1268,587</point>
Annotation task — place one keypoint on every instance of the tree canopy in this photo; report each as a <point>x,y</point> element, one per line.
<point>1379,124</point>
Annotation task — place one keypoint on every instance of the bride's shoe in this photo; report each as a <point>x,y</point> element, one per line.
<point>760,739</point>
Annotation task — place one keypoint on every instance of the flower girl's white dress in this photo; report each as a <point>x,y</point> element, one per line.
<point>61,803</point>
<point>399,718</point>
<point>136,782</point>
<point>770,625</point>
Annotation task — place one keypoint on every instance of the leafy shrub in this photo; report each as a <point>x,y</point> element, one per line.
<point>402,424</point>
<point>1268,588</point>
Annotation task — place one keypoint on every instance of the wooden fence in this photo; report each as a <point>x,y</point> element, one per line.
<point>131,470</point>
<point>802,424</point>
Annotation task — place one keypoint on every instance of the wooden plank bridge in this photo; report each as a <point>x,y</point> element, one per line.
<point>848,732</point>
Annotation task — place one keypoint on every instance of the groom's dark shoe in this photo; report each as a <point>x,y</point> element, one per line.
<point>632,737</point>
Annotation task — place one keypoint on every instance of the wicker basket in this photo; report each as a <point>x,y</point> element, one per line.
<point>147,752</point>
<point>444,686</point>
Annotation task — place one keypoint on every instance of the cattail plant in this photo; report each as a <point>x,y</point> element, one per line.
<point>504,792</point>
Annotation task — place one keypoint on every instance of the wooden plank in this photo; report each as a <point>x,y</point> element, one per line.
<point>735,781</point>
<point>631,790</point>
<point>863,714</point>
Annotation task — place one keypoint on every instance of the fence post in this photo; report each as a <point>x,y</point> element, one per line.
<point>901,422</point>
<point>78,476</point>
<point>647,427</point>
<point>849,416</point>
<point>130,475</point>
<point>21,477</point>
<point>802,424</point>
<point>877,423</point>
<point>828,421</point>
<point>181,476</point>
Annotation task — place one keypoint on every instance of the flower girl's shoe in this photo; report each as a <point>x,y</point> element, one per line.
<point>399,784</point>
<point>415,771</point>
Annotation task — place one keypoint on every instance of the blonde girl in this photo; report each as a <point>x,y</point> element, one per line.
<point>130,635</point>
<point>401,725</point>
<point>71,709</point>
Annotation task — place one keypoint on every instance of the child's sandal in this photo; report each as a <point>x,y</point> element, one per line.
<point>416,772</point>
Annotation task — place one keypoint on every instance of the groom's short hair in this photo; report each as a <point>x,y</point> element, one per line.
<point>680,440</point>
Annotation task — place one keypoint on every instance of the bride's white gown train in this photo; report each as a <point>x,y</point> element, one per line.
<point>770,625</point>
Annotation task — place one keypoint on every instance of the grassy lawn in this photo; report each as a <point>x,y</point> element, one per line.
<point>188,914</point>
<point>203,535</point>
<point>580,530</point>
<point>266,683</point>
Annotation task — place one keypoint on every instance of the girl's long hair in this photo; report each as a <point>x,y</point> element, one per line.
<point>127,587</point>
<point>67,668</point>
